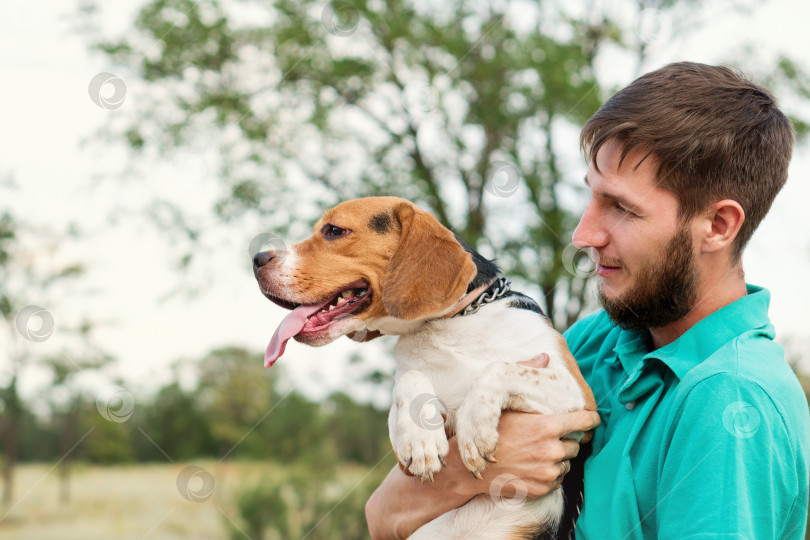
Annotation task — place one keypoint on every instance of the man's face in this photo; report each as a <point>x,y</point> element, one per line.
<point>644,255</point>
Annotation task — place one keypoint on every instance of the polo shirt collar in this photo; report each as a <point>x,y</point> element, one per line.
<point>695,345</point>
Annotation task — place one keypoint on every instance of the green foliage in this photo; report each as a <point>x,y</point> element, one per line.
<point>233,412</point>
<point>295,430</point>
<point>313,102</point>
<point>7,235</point>
<point>37,439</point>
<point>109,442</point>
<point>358,431</point>
<point>307,503</point>
<point>235,394</point>
<point>176,425</point>
<point>788,73</point>
<point>261,506</point>
<point>377,98</point>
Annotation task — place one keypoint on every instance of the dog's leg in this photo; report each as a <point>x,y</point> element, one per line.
<point>488,517</point>
<point>506,386</point>
<point>416,425</point>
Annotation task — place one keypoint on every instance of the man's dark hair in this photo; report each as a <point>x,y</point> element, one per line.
<point>712,134</point>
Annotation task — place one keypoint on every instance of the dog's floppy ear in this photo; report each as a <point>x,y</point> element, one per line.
<point>429,271</point>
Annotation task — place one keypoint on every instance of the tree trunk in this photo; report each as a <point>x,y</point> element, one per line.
<point>66,442</point>
<point>10,437</point>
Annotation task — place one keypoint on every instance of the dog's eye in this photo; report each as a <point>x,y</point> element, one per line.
<point>330,231</point>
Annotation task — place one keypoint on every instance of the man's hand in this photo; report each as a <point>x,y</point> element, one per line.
<point>534,447</point>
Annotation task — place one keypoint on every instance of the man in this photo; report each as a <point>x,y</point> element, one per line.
<point>704,428</point>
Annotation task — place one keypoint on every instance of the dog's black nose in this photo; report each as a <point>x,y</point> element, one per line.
<point>261,258</point>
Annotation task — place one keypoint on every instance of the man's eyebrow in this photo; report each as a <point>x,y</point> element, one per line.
<point>616,198</point>
<point>622,201</point>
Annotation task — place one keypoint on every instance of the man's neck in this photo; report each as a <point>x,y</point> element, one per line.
<point>718,290</point>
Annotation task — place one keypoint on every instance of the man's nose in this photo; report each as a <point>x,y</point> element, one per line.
<point>261,259</point>
<point>589,231</point>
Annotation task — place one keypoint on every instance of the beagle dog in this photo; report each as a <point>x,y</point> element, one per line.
<point>381,265</point>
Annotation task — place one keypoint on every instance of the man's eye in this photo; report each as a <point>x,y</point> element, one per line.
<point>623,210</point>
<point>330,231</point>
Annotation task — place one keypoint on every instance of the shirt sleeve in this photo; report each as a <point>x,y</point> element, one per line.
<point>729,469</point>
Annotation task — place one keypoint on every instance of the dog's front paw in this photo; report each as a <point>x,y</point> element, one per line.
<point>421,450</point>
<point>477,436</point>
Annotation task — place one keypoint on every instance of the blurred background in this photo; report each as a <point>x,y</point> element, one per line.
<point>151,147</point>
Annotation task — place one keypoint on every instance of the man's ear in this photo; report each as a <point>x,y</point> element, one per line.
<point>723,220</point>
<point>429,271</point>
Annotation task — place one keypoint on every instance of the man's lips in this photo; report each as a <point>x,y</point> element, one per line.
<point>605,271</point>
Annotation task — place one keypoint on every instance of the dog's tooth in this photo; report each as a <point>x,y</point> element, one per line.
<point>331,308</point>
<point>346,294</point>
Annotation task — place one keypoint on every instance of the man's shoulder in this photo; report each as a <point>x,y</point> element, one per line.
<point>750,371</point>
<point>750,357</point>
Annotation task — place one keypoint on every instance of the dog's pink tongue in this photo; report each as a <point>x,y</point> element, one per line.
<point>290,326</point>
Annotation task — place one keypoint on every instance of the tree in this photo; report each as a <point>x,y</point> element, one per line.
<point>176,424</point>
<point>26,271</point>
<point>359,431</point>
<point>67,398</point>
<point>9,398</point>
<point>236,394</point>
<point>454,108</point>
<point>457,106</point>
<point>295,430</point>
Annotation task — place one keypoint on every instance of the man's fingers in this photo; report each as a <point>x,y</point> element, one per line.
<point>539,361</point>
<point>578,421</point>
<point>571,448</point>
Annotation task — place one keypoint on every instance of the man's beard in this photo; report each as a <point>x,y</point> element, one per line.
<point>662,293</point>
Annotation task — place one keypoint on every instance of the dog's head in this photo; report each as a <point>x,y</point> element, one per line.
<point>379,264</point>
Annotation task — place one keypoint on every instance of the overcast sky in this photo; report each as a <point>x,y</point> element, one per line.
<point>46,113</point>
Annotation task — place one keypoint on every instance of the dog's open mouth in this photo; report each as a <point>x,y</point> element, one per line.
<point>348,301</point>
<point>310,319</point>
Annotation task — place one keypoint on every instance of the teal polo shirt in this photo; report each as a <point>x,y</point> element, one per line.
<point>706,437</point>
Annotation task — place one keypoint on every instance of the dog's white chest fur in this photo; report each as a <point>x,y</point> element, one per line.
<point>470,364</point>
<point>454,353</point>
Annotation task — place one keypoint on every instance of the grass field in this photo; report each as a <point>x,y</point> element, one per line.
<point>135,502</point>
